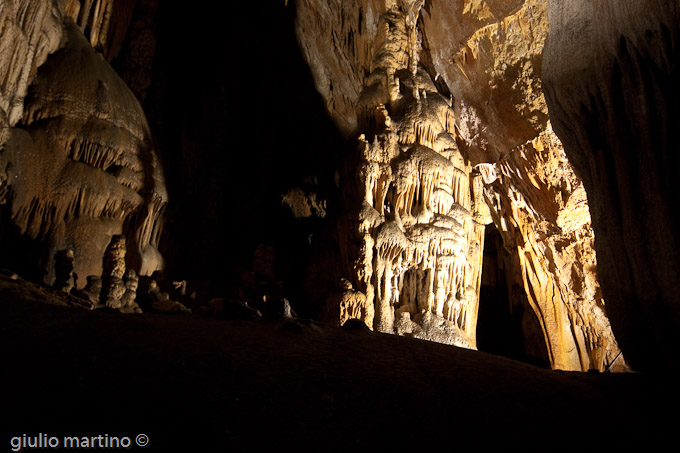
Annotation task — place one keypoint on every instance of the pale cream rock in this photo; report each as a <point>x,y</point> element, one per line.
<point>422,246</point>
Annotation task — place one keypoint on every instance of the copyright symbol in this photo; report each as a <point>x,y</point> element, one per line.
<point>142,440</point>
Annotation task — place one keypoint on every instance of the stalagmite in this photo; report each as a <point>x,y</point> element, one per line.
<point>63,270</point>
<point>128,300</point>
<point>113,270</point>
<point>92,290</point>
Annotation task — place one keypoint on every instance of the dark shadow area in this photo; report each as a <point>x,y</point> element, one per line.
<point>238,122</point>
<point>234,385</point>
<point>506,325</point>
<point>19,252</point>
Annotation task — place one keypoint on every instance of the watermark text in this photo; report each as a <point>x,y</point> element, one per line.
<point>42,441</point>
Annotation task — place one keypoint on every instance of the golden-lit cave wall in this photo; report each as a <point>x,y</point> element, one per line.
<point>445,102</point>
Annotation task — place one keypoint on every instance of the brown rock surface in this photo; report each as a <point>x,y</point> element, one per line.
<point>29,32</point>
<point>113,270</point>
<point>489,54</point>
<point>104,22</point>
<point>63,270</point>
<point>611,73</point>
<point>541,211</point>
<point>81,163</point>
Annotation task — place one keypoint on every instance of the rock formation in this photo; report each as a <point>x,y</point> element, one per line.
<point>419,220</point>
<point>160,300</point>
<point>63,270</point>
<point>104,22</point>
<point>92,290</point>
<point>454,133</point>
<point>78,161</point>
<point>113,271</point>
<point>29,32</point>
<point>611,77</point>
<point>128,301</point>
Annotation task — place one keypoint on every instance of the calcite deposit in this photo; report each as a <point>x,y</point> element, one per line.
<point>29,32</point>
<point>128,301</point>
<point>78,161</point>
<point>541,210</point>
<point>445,101</point>
<point>416,216</point>
<point>113,271</point>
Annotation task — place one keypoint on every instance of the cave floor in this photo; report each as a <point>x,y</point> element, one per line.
<point>205,384</point>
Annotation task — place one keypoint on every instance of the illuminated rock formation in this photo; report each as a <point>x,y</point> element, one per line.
<point>29,32</point>
<point>120,28</point>
<point>128,301</point>
<point>104,22</point>
<point>541,210</point>
<point>418,220</point>
<point>454,133</point>
<point>443,104</point>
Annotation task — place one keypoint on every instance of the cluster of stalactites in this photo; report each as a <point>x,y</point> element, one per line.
<point>421,221</point>
<point>104,22</point>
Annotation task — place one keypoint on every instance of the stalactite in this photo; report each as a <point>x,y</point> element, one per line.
<point>425,246</point>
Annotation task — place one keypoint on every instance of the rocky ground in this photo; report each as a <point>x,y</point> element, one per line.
<point>194,383</point>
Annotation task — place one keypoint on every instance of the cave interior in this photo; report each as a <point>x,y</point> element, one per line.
<point>255,182</point>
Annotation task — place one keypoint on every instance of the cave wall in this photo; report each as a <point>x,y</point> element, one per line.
<point>611,77</point>
<point>29,33</point>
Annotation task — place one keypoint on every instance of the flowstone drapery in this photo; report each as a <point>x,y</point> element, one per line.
<point>76,152</point>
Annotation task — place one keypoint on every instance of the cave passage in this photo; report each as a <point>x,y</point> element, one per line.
<point>506,325</point>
